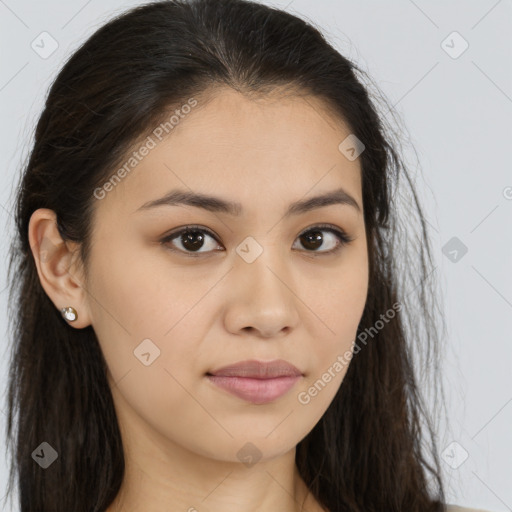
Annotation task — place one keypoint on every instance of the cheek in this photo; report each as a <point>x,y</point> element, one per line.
<point>331,351</point>
<point>339,297</point>
<point>137,292</point>
<point>147,311</point>
<point>147,331</point>
<point>339,308</point>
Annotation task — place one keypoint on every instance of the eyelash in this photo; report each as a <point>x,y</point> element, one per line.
<point>343,238</point>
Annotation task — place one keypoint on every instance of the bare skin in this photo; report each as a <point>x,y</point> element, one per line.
<point>181,433</point>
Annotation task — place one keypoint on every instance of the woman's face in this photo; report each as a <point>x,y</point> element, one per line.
<point>257,284</point>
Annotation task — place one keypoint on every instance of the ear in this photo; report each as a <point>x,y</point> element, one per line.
<point>58,266</point>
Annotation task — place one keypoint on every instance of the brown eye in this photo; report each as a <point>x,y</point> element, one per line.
<point>313,239</point>
<point>192,239</point>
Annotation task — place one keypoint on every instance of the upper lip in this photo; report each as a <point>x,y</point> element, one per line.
<point>258,369</point>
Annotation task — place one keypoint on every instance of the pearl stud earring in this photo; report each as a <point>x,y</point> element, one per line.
<point>69,313</point>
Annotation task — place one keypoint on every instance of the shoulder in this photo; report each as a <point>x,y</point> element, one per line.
<point>455,508</point>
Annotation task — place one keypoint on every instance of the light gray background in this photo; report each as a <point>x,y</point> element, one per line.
<point>458,115</point>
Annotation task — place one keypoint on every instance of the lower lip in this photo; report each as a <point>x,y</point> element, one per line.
<point>257,391</point>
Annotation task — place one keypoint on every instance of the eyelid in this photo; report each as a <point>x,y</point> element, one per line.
<point>343,238</point>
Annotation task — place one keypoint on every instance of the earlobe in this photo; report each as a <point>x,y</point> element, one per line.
<point>60,278</point>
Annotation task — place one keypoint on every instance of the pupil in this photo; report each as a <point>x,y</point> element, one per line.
<point>313,239</point>
<point>194,238</point>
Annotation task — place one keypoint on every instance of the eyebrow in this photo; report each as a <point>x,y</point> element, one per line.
<point>217,204</point>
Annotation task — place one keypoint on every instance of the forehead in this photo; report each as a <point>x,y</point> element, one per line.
<point>258,151</point>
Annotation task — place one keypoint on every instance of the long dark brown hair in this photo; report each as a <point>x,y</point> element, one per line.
<point>374,449</point>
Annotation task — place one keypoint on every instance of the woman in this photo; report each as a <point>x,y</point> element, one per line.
<point>212,305</point>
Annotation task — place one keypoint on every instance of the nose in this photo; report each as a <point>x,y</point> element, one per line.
<point>262,300</point>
